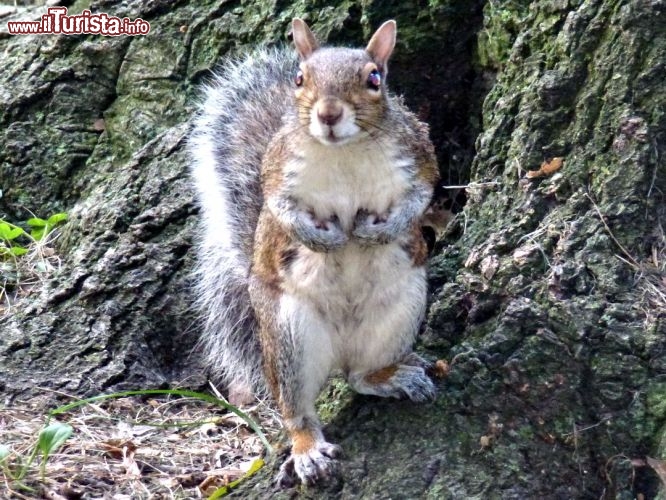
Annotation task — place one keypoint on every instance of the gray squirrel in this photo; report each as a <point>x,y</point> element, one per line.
<point>312,181</point>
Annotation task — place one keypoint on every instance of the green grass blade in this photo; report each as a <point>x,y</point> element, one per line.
<point>174,392</point>
<point>225,490</point>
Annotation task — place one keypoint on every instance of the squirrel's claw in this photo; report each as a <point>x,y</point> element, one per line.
<point>373,228</point>
<point>319,235</point>
<point>314,465</point>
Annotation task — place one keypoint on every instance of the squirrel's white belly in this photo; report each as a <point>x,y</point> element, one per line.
<point>366,304</point>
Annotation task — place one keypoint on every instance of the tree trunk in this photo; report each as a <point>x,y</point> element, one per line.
<point>547,289</point>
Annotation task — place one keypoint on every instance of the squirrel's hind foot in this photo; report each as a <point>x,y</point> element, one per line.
<point>397,381</point>
<point>310,466</point>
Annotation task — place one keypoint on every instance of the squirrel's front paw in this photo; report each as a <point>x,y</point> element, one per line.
<point>311,466</point>
<point>317,234</point>
<point>372,228</point>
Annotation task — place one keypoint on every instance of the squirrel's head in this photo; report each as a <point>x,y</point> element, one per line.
<point>341,93</point>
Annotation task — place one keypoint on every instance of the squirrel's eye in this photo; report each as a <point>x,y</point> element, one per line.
<point>299,79</point>
<point>374,80</point>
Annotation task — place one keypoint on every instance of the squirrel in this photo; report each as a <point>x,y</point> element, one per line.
<point>312,181</point>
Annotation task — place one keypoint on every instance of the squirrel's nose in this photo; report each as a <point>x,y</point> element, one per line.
<point>329,112</point>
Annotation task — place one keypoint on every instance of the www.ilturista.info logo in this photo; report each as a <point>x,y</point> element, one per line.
<point>57,22</point>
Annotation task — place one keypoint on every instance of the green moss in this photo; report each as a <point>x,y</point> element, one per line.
<point>656,400</point>
<point>333,398</point>
<point>501,24</point>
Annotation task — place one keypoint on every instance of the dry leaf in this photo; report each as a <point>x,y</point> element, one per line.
<point>211,483</point>
<point>131,467</point>
<point>548,167</point>
<point>437,216</point>
<point>209,429</point>
<point>441,368</point>
<point>190,480</point>
<point>548,437</point>
<point>231,420</point>
<point>116,448</point>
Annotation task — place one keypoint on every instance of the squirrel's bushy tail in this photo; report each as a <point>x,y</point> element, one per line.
<point>242,109</point>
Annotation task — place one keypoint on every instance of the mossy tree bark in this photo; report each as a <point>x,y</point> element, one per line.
<point>545,291</point>
<point>557,291</point>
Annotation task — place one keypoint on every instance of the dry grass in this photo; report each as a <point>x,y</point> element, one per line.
<point>26,275</point>
<point>651,277</point>
<point>132,448</point>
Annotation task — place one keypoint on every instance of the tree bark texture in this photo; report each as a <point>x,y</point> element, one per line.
<point>544,290</point>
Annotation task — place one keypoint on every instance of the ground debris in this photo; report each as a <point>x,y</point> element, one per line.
<point>131,448</point>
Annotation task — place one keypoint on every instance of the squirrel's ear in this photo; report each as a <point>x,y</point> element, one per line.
<point>304,40</point>
<point>380,47</point>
